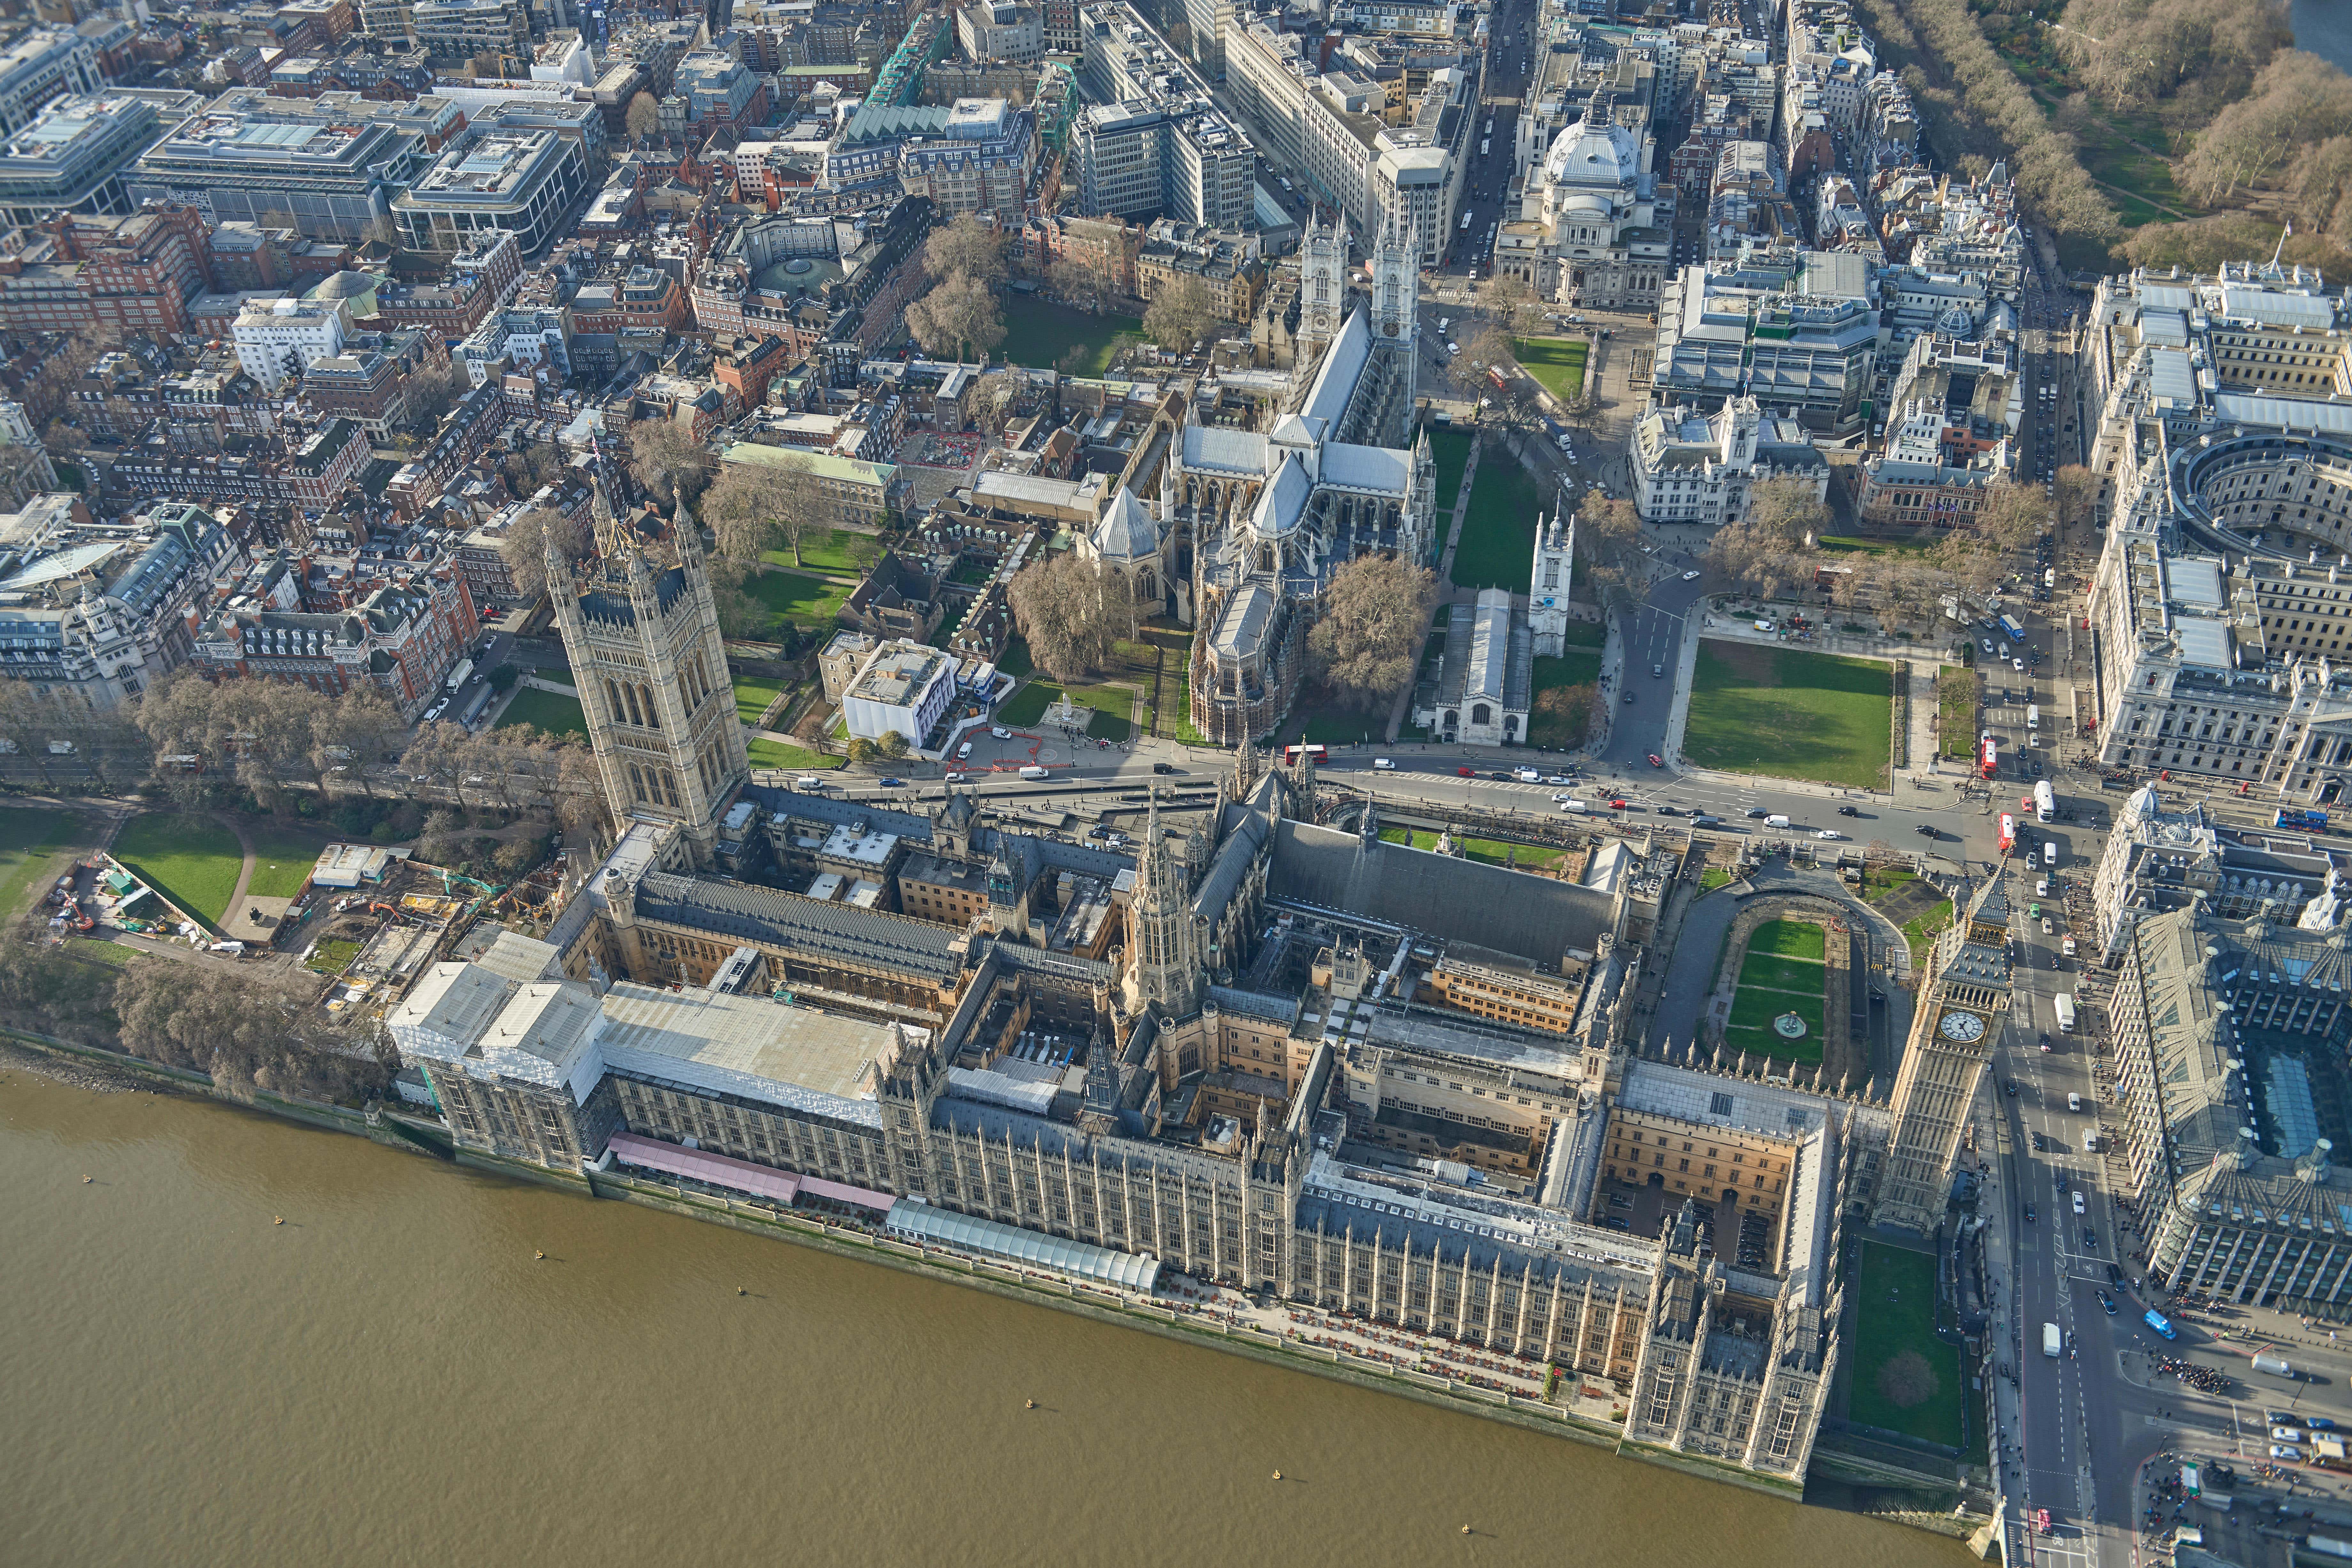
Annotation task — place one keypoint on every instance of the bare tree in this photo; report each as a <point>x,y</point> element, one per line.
<point>668,459</point>
<point>644,115</point>
<point>2013,516</point>
<point>1181,313</point>
<point>2077,493</point>
<point>524,548</point>
<point>1364,644</point>
<point>1609,536</point>
<point>754,505</point>
<point>968,246</point>
<point>1070,613</point>
<point>960,315</point>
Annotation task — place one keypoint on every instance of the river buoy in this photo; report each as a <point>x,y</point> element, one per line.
<point>1028,1404</point>
<point>1465,1529</point>
<point>1278,1475</point>
<point>741,1291</point>
<point>278,1219</point>
<point>85,1181</point>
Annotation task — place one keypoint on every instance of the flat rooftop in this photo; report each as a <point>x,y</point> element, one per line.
<point>696,1031</point>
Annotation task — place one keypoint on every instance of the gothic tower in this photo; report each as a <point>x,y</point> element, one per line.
<point>1396,289</point>
<point>643,638</point>
<point>1322,292</point>
<point>1548,602</point>
<point>1163,947</point>
<point>1962,1002</point>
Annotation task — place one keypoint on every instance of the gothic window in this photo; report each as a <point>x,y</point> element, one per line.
<point>636,783</point>
<point>653,714</point>
<point>669,786</point>
<point>630,692</point>
<point>1482,714</point>
<point>613,702</point>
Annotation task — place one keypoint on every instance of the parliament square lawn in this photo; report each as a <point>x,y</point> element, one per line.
<point>1783,712</point>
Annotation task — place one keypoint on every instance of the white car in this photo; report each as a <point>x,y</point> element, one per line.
<point>1556,778</point>
<point>2286,1451</point>
<point>1385,764</point>
<point>1001,732</point>
<point>2019,663</point>
<point>1690,576</point>
<point>1453,348</point>
<point>2286,1434</point>
<point>1526,775</point>
<point>1829,833</point>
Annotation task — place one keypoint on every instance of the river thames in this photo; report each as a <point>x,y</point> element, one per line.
<point>391,1377</point>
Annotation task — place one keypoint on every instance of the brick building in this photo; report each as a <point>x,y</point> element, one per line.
<point>131,276</point>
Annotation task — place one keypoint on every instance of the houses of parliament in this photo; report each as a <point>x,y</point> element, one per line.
<point>1261,1047</point>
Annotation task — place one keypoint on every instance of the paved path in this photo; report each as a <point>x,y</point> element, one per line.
<point>231,916</point>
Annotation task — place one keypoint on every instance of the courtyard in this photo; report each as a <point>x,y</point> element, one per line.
<point>1038,333</point>
<point>1783,975</point>
<point>1784,712</point>
<point>1496,548</point>
<point>1903,1377</point>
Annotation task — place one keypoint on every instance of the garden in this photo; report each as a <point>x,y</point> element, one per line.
<point>1556,363</point>
<point>1497,544</point>
<point>550,712</point>
<point>32,839</point>
<point>1492,851</point>
<point>1787,713</point>
<point>786,757</point>
<point>1904,1377</point>
<point>1567,689</point>
<point>1108,718</point>
<point>193,861</point>
<point>1039,333</point>
<point>807,602</point>
<point>1782,972</point>
<point>841,551</point>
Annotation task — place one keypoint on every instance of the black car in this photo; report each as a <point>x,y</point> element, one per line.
<point>1925,831</point>
<point>2109,1302</point>
<point>1849,811</point>
<point>1628,699</point>
<point>1163,767</point>
<point>1504,778</point>
<point>1670,811</point>
<point>2028,1214</point>
<point>2115,1274</point>
<point>2090,1239</point>
<point>2009,1089</point>
<point>1757,813</point>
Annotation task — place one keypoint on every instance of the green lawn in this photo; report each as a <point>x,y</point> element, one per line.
<point>828,552</point>
<point>1558,362</point>
<point>1755,1007</point>
<point>1565,691</point>
<point>1786,713</point>
<point>190,860</point>
<point>1016,661</point>
<point>1713,877</point>
<point>767,754</point>
<point>31,837</point>
<point>1497,547</point>
<point>1493,851</point>
<point>1038,333</point>
<point>804,601</point>
<point>1895,1321</point>
<point>549,711</point>
<point>1111,706</point>
<point>1790,938</point>
<point>1919,933</point>
<point>331,956</point>
<point>283,857</point>
<point>1451,451</point>
<point>1956,711</point>
<point>753,696</point>
<point>1334,726</point>
<point>1770,971</point>
<point>1853,544</point>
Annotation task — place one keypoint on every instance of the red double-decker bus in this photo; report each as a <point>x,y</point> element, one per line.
<point>2008,833</point>
<point>1989,760</point>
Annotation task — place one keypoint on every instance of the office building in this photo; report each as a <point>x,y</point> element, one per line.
<point>1795,330</point>
<point>1695,468</point>
<point>327,166</point>
<point>522,181</point>
<point>70,157</point>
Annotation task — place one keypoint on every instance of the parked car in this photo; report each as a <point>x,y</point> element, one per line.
<point>1000,732</point>
<point>2287,1451</point>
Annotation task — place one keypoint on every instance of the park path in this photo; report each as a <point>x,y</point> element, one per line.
<point>244,873</point>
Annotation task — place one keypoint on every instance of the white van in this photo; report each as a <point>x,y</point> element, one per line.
<point>963,753</point>
<point>808,780</point>
<point>2034,716</point>
<point>2050,852</point>
<point>2078,1200</point>
<point>1575,805</point>
<point>1033,772</point>
<point>2066,946</point>
<point>2073,1102</point>
<point>1776,822</point>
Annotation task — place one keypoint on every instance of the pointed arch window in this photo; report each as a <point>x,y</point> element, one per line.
<point>653,714</point>
<point>613,701</point>
<point>669,786</point>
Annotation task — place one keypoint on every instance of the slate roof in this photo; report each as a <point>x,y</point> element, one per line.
<point>1225,451</point>
<point>1534,918</point>
<point>752,914</point>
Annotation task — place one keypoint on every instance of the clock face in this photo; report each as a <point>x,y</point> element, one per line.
<point>1392,329</point>
<point>1963,1027</point>
<point>1321,320</point>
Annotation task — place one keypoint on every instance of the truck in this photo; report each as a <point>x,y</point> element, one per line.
<point>2307,821</point>
<point>2009,624</point>
<point>2327,1546</point>
<point>473,705</point>
<point>2276,1366</point>
<point>460,676</point>
<point>2053,1342</point>
<point>2045,801</point>
<point>2162,1325</point>
<point>2065,1006</point>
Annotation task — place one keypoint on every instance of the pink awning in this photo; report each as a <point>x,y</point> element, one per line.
<point>718,1170</point>
<point>843,1193</point>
